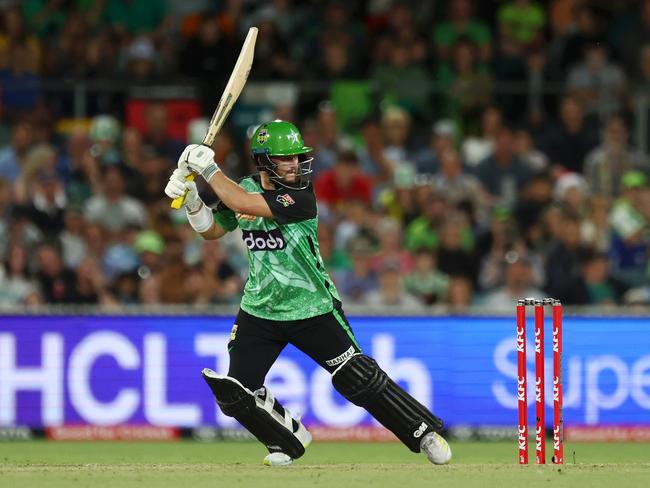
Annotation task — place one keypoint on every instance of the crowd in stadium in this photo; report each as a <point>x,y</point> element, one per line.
<point>496,160</point>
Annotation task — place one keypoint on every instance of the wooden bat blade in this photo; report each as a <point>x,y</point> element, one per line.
<point>230,95</point>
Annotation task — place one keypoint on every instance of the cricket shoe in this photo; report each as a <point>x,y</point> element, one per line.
<point>436,448</point>
<point>277,459</point>
<point>281,459</point>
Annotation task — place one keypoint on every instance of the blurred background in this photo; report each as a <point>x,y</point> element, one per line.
<point>467,153</point>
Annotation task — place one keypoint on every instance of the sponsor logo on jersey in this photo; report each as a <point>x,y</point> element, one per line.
<point>285,200</point>
<point>418,433</point>
<point>261,240</point>
<point>262,136</point>
<point>233,332</point>
<point>341,358</point>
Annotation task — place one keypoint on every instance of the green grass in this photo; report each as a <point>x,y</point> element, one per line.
<point>193,465</point>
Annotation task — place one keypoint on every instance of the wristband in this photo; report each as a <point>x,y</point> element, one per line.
<point>202,220</point>
<point>210,171</point>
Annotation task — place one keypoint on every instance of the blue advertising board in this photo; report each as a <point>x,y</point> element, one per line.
<point>107,370</point>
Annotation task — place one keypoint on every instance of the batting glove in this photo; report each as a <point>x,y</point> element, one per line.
<point>199,159</point>
<point>178,185</point>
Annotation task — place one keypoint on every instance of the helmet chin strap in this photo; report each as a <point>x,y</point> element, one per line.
<point>302,176</point>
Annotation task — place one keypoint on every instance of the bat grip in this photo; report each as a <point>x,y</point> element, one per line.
<point>178,202</point>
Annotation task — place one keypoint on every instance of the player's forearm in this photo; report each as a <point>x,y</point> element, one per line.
<point>214,232</point>
<point>237,199</point>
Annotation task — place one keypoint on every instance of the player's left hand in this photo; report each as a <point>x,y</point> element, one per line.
<point>199,159</point>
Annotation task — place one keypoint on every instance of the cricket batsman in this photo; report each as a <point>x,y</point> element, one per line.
<point>289,299</point>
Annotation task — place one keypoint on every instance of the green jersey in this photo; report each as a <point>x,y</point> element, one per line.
<point>286,278</point>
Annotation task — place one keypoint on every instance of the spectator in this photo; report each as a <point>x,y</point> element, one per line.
<point>21,88</point>
<point>16,286</point>
<point>402,82</point>
<point>396,127</point>
<point>426,282</point>
<point>141,61</point>
<point>273,48</point>
<point>12,157</point>
<point>571,191</point>
<point>334,258</point>
<point>457,186</point>
<point>14,33</point>
<point>215,266</point>
<point>564,263</point>
<point>345,181</point>
<point>455,253</point>
<point>112,208</point>
<point>503,172</point>
<point>390,247</point>
<point>466,85</point>
<point>606,164</point>
<point>90,285</point>
<point>73,246</point>
<point>424,231</point>
<point>461,24</point>
<point>443,138</point>
<point>521,24</point>
<point>57,283</point>
<point>48,203</point>
<point>569,48</point>
<point>518,283</point>
<point>105,133</point>
<point>595,228</point>
<point>568,143</point>
<point>475,148</point>
<point>391,292</point>
<point>636,37</point>
<point>598,287</point>
<point>525,149</point>
<point>629,223</point>
<point>157,133</point>
<point>459,295</point>
<point>360,279</point>
<point>598,83</point>
<point>41,160</point>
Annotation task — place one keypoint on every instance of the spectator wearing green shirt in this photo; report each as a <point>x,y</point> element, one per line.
<point>521,24</point>
<point>462,24</point>
<point>135,16</point>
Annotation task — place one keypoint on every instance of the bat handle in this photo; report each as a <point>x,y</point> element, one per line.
<point>178,202</point>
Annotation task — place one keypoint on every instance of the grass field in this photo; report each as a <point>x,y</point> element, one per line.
<point>193,465</point>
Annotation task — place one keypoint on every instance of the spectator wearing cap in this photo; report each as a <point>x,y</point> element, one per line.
<point>605,164</point>
<point>629,223</point>
<point>391,292</point>
<point>518,283</point>
<point>112,208</point>
<point>521,23</point>
<point>345,181</point>
<point>104,134</point>
<point>443,138</point>
<point>503,172</point>
<point>572,192</point>
<point>564,262</point>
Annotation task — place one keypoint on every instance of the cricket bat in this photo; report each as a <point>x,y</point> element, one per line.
<point>230,94</point>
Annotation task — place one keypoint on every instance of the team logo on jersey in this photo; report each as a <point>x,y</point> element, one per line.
<point>262,240</point>
<point>262,136</point>
<point>233,332</point>
<point>285,200</point>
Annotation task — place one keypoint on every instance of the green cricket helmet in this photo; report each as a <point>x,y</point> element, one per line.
<point>281,138</point>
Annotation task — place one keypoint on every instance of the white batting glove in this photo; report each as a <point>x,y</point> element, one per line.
<point>199,159</point>
<point>178,185</point>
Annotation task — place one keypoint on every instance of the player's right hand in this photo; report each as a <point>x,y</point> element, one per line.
<point>178,185</point>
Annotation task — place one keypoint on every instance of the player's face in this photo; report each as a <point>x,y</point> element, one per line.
<point>286,167</point>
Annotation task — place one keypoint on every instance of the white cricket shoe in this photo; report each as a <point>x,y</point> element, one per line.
<point>277,459</point>
<point>436,448</point>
